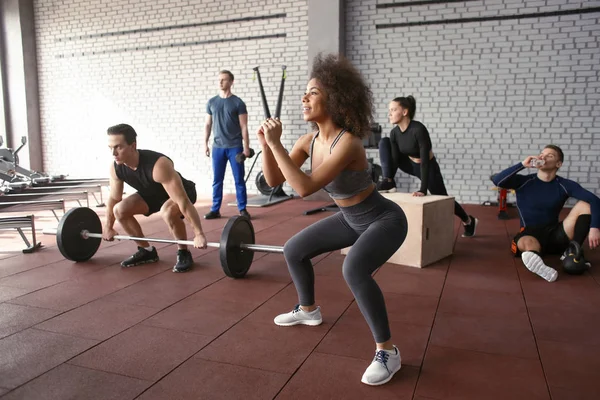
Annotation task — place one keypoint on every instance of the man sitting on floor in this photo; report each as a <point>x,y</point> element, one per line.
<point>159,188</point>
<point>540,198</point>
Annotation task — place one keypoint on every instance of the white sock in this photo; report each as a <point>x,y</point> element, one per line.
<point>149,248</point>
<point>392,352</point>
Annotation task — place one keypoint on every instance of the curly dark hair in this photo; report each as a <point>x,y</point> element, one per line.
<point>349,100</point>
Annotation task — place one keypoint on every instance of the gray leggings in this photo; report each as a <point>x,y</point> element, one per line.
<point>375,228</point>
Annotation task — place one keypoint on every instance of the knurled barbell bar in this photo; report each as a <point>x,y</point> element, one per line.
<point>77,241</point>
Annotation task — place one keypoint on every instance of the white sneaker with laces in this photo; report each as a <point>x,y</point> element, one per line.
<point>383,367</point>
<point>299,317</point>
<point>535,264</point>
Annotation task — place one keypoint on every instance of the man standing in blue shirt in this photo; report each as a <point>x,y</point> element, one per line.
<point>228,112</point>
<point>540,198</point>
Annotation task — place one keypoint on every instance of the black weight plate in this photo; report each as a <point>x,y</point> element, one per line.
<point>68,234</point>
<point>235,261</point>
<point>264,188</point>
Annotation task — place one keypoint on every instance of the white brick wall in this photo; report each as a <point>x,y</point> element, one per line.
<point>490,92</point>
<point>161,92</point>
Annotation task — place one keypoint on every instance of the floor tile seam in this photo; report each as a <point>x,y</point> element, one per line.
<point>417,295</point>
<point>30,380</point>
<point>44,265</point>
<point>158,310</point>
<point>361,359</point>
<point>83,367</point>
<point>535,339</point>
<point>76,281</point>
<point>487,353</point>
<point>28,306</point>
<point>411,294</point>
<point>150,316</point>
<point>508,315</point>
<point>41,322</point>
<point>198,357</point>
<point>66,280</point>
<point>56,366</point>
<point>68,362</point>
<point>314,348</point>
<point>195,354</point>
<point>490,353</point>
<point>437,307</point>
<point>533,331</point>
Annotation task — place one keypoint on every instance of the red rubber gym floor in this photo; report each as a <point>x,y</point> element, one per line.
<point>476,325</point>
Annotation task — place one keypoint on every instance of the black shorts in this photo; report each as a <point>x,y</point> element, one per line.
<point>156,202</point>
<point>552,238</point>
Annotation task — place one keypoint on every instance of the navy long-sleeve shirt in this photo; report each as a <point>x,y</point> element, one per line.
<point>540,202</point>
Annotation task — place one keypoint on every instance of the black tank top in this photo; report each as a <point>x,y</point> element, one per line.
<point>141,178</point>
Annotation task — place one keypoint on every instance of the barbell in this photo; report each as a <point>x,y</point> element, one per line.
<point>78,241</point>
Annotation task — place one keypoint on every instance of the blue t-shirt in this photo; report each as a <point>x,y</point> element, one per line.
<point>540,202</point>
<point>226,112</point>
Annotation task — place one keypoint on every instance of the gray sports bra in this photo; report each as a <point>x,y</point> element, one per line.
<point>348,183</point>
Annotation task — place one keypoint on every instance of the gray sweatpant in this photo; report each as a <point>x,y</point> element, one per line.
<point>375,228</point>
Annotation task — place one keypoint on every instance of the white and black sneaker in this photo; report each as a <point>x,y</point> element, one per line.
<point>383,367</point>
<point>299,317</point>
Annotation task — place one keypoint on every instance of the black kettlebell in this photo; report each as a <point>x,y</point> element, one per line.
<point>241,157</point>
<point>574,263</point>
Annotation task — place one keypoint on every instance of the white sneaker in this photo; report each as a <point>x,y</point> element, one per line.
<point>535,264</point>
<point>383,367</point>
<point>299,316</point>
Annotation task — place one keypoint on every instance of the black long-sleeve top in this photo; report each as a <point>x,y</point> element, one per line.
<point>414,142</point>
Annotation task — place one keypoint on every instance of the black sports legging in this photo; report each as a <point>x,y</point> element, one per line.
<point>391,159</point>
<point>375,228</point>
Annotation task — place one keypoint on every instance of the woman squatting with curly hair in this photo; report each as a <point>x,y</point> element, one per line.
<point>339,106</point>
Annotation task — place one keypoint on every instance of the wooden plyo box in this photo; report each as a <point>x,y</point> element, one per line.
<point>430,229</point>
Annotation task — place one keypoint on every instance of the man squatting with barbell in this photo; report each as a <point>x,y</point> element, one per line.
<point>159,188</point>
<point>540,198</point>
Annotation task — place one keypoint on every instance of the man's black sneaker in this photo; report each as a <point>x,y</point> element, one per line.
<point>184,261</point>
<point>142,256</point>
<point>385,186</point>
<point>245,213</point>
<point>212,215</point>
<point>470,227</point>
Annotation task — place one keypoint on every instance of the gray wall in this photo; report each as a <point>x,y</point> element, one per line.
<point>492,88</point>
<point>490,92</point>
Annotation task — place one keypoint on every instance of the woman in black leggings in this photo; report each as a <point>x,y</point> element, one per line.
<point>409,148</point>
<point>339,105</point>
